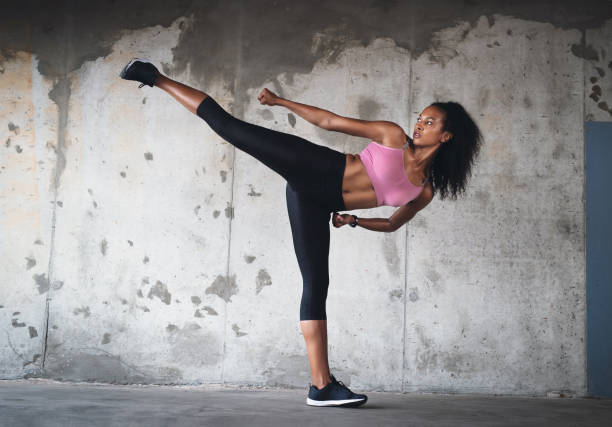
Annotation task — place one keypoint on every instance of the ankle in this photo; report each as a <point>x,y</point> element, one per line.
<point>321,382</point>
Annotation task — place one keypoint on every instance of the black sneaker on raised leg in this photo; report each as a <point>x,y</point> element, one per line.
<point>334,394</point>
<point>140,70</point>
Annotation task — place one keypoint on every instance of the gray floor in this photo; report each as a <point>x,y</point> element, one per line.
<point>49,403</point>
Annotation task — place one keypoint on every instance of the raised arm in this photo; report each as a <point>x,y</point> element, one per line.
<point>379,131</point>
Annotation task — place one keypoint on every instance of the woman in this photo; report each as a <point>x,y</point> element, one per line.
<point>321,180</point>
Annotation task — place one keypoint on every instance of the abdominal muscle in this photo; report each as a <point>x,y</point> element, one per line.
<point>357,189</point>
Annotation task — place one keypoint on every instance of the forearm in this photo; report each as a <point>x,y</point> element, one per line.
<point>375,224</point>
<point>316,116</point>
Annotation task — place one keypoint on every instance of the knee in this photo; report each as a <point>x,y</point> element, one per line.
<point>312,305</point>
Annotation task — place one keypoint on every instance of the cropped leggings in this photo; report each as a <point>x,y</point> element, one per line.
<point>314,189</point>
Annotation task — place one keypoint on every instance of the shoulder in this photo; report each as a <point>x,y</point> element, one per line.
<point>394,137</point>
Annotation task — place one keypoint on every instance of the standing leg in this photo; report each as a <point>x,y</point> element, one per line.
<point>310,230</point>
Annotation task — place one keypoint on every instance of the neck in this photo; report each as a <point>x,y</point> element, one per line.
<point>422,157</point>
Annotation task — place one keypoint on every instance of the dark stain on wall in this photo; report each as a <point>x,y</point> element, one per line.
<point>263,279</point>
<point>160,290</point>
<point>224,287</point>
<point>266,37</point>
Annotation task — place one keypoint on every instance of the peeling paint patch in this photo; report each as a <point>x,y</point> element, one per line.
<point>414,294</point>
<point>103,246</point>
<point>106,338</point>
<point>171,327</point>
<point>41,282</point>
<point>223,174</point>
<point>84,310</point>
<point>253,193</point>
<point>139,293</point>
<point>266,114</point>
<point>249,258</point>
<point>196,209</point>
<point>145,260</point>
<point>211,311</point>
<point>30,262</point>
<point>585,52</point>
<point>224,287</point>
<point>216,213</point>
<point>33,361</point>
<point>13,128</point>
<point>16,324</point>
<point>262,279</point>
<point>196,300</point>
<point>396,294</point>
<point>148,156</point>
<point>291,119</point>
<point>229,212</point>
<point>237,331</point>
<point>160,290</point>
<point>32,331</point>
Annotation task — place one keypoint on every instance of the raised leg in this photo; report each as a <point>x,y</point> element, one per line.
<point>189,97</point>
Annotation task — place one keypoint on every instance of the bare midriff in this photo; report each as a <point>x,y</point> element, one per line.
<point>357,189</point>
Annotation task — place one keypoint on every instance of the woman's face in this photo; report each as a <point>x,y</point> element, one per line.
<point>428,128</point>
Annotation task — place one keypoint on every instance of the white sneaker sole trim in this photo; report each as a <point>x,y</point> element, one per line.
<point>312,402</point>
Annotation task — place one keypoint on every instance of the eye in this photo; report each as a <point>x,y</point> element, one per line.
<point>428,121</point>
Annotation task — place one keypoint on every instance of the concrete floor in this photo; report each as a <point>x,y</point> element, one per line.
<point>49,403</point>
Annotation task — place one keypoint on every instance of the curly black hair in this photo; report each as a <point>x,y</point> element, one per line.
<point>452,165</point>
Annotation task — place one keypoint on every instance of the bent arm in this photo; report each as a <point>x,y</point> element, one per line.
<point>375,224</point>
<point>316,116</point>
<point>400,216</point>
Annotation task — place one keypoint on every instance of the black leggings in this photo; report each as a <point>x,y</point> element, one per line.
<point>314,189</point>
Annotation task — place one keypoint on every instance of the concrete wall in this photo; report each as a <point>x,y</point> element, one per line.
<point>137,246</point>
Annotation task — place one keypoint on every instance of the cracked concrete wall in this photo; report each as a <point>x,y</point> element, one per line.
<point>138,246</point>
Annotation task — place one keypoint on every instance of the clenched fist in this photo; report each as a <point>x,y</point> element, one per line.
<point>267,97</point>
<point>340,220</point>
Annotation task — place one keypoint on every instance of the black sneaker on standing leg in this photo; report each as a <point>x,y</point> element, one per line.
<point>140,70</point>
<point>334,394</point>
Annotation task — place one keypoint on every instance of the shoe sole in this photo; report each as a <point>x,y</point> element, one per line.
<point>124,71</point>
<point>345,403</point>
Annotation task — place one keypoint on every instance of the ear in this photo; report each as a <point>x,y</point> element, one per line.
<point>446,136</point>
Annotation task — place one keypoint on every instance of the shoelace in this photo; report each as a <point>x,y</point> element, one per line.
<point>342,385</point>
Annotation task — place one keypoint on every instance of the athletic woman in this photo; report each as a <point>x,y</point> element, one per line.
<point>393,170</point>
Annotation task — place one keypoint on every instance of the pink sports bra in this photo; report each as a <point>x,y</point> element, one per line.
<point>385,167</point>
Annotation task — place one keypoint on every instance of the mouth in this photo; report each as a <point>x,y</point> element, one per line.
<point>416,135</point>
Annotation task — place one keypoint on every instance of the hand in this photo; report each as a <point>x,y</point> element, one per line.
<point>267,97</point>
<point>340,220</point>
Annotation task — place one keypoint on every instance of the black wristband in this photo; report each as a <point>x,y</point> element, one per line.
<point>355,222</point>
